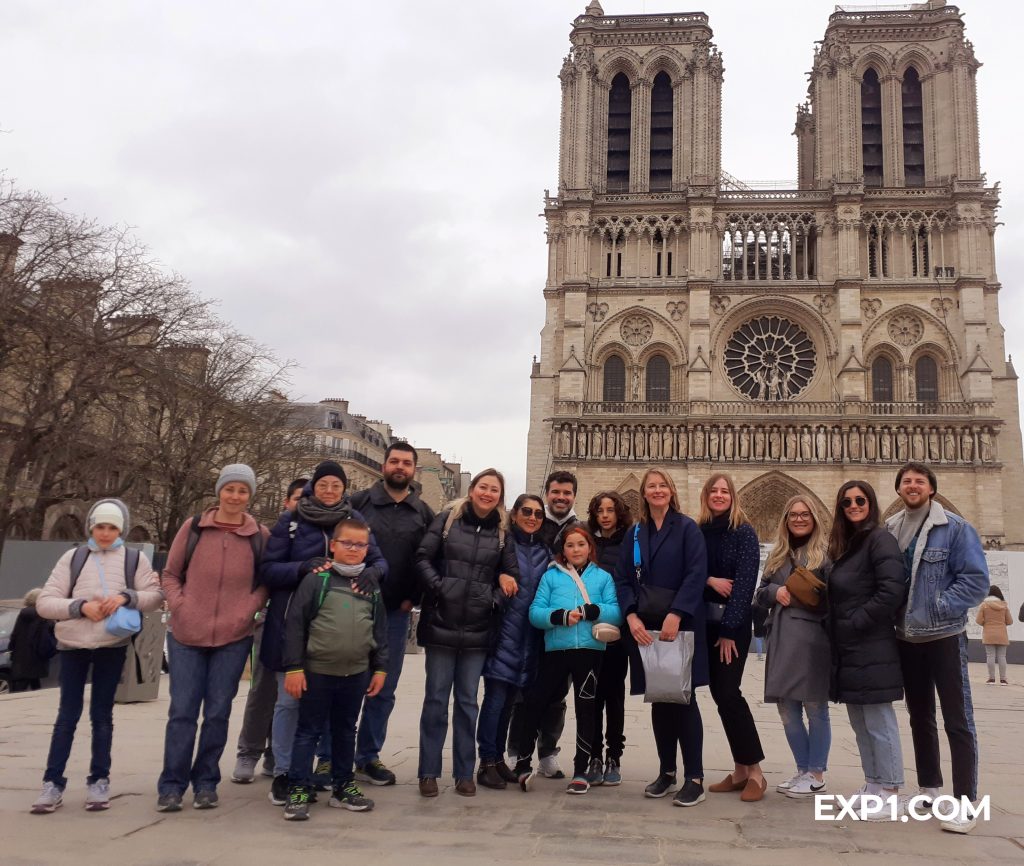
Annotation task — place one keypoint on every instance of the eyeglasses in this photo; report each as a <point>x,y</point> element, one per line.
<point>847,502</point>
<point>351,545</point>
<point>799,515</point>
<point>532,512</point>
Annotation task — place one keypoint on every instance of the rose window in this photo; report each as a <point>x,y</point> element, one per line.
<point>770,358</point>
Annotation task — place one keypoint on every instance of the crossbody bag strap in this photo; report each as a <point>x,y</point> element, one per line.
<point>636,553</point>
<point>579,583</point>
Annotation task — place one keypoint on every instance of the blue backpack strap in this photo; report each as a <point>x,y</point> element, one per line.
<point>78,560</point>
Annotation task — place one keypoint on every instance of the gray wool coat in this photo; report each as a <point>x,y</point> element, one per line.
<point>799,660</point>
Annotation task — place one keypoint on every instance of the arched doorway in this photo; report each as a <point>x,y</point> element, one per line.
<point>764,498</point>
<point>67,528</point>
<point>139,534</point>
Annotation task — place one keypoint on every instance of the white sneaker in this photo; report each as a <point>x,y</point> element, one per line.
<point>97,797</point>
<point>782,787</point>
<point>854,798</point>
<point>885,812</point>
<point>550,767</point>
<point>51,798</point>
<point>959,824</point>
<point>806,786</point>
<point>930,794</point>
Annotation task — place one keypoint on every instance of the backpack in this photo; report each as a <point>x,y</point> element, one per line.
<point>81,555</point>
<point>194,530</point>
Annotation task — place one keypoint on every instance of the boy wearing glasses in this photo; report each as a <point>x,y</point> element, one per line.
<point>335,653</point>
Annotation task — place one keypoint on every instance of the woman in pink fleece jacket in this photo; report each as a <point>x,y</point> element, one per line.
<point>213,597</point>
<point>84,643</point>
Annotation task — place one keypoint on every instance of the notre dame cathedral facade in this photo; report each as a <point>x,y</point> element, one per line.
<point>795,338</point>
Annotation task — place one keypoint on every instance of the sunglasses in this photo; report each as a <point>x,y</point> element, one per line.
<point>531,512</point>
<point>859,500</point>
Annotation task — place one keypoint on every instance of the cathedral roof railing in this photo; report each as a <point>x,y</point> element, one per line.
<point>794,409</point>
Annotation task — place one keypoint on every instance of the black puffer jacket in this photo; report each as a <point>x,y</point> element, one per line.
<point>866,588</point>
<point>608,548</point>
<point>462,601</point>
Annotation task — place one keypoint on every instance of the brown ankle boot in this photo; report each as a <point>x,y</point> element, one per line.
<point>489,777</point>
<point>505,772</point>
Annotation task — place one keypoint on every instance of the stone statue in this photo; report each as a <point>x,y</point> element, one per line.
<point>744,443</point>
<point>654,444</point>
<point>759,443</point>
<point>683,443</point>
<point>870,445</point>
<point>917,445</point>
<point>985,448</point>
<point>775,443</point>
<point>610,439</point>
<point>639,443</point>
<point>792,444</point>
<point>597,442</point>
<point>713,444</point>
<point>967,445</point>
<point>624,442</point>
<point>934,445</point>
<point>821,443</point>
<point>666,443</point>
<point>636,383</point>
<point>885,445</point>
<point>837,443</point>
<point>902,443</point>
<point>581,441</point>
<point>565,448</point>
<point>698,442</point>
<point>728,444</point>
<point>853,448</point>
<point>806,444</point>
<point>949,446</point>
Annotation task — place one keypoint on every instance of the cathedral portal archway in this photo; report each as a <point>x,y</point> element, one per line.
<point>764,498</point>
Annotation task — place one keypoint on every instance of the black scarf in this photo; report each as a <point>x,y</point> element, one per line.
<point>470,518</point>
<point>312,510</point>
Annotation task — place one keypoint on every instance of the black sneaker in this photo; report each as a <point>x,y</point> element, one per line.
<point>375,773</point>
<point>661,786</point>
<point>351,798</point>
<point>297,807</point>
<point>204,800</point>
<point>690,794</point>
<point>166,803</point>
<point>322,777</point>
<point>279,790</point>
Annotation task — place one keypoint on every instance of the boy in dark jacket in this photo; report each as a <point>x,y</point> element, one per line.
<point>335,636</point>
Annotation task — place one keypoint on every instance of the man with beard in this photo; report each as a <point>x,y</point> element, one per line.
<point>399,519</point>
<point>254,738</point>
<point>559,499</point>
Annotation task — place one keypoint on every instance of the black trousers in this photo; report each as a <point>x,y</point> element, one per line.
<point>740,730</point>
<point>679,724</point>
<point>583,666</point>
<point>611,702</point>
<point>941,665</point>
<point>552,723</point>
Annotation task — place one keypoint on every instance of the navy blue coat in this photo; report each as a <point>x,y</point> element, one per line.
<point>280,572</point>
<point>676,559</point>
<point>514,657</point>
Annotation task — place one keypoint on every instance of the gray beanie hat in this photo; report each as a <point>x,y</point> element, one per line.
<point>237,472</point>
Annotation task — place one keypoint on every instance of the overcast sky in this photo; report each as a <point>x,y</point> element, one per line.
<point>359,183</point>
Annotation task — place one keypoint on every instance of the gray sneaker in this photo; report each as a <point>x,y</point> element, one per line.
<point>245,770</point>
<point>168,803</point>
<point>49,800</point>
<point>97,797</point>
<point>204,800</point>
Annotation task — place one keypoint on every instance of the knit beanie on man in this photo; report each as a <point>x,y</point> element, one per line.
<point>328,468</point>
<point>237,472</point>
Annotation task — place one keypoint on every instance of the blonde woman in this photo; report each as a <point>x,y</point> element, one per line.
<point>733,558</point>
<point>796,677</point>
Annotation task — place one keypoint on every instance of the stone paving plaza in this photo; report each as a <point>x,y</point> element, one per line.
<point>608,825</point>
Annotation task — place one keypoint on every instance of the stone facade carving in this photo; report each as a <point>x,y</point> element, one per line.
<point>906,329</point>
<point>676,310</point>
<point>870,307</point>
<point>636,330</point>
<point>597,311</point>
<point>770,358</point>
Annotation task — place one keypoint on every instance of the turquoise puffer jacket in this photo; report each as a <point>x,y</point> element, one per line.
<point>558,591</point>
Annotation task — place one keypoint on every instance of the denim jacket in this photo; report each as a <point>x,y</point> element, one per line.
<point>948,577</point>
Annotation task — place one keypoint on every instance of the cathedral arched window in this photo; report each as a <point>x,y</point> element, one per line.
<point>620,112</point>
<point>919,258</point>
<point>661,133</point>
<point>926,379</point>
<point>614,380</point>
<point>658,379</point>
<point>881,380</point>
<point>913,128</point>
<point>871,127</point>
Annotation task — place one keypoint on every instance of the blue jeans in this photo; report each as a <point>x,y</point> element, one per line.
<point>282,731</point>
<point>447,669</point>
<point>495,714</point>
<point>106,663</point>
<point>373,726</point>
<point>330,703</point>
<point>203,678</point>
<point>878,740</point>
<point>809,744</point>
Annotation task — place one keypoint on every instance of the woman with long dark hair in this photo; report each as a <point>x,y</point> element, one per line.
<point>796,677</point>
<point>866,588</point>
<point>733,559</point>
<point>467,567</point>
<point>609,519</point>
<point>659,579</point>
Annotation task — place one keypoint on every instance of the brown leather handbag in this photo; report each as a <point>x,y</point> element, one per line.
<point>806,587</point>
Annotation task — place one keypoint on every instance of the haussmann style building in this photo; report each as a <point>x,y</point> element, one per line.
<point>796,338</point>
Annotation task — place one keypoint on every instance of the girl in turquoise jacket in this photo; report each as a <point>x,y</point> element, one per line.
<point>574,595</point>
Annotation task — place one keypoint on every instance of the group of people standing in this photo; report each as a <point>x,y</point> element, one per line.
<point>533,601</point>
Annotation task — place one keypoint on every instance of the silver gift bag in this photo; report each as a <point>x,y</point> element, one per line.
<point>668,669</point>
